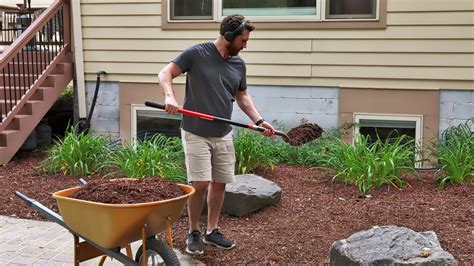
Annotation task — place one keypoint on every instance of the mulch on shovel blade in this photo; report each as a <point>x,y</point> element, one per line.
<point>304,133</point>
<point>128,191</point>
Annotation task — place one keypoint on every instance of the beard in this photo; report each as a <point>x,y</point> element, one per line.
<point>233,50</point>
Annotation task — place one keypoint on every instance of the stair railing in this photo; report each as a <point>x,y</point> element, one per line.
<point>24,63</point>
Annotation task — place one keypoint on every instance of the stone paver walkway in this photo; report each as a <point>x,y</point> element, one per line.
<point>28,242</point>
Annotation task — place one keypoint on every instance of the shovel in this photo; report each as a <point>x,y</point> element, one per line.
<point>216,118</point>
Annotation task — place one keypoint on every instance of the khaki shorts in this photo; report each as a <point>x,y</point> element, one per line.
<point>209,159</point>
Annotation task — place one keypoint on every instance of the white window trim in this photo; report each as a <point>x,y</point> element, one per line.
<point>320,15</point>
<point>134,109</point>
<point>418,119</point>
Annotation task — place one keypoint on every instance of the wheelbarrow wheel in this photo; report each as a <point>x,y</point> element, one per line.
<point>157,253</point>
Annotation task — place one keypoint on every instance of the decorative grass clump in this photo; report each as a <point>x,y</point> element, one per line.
<point>455,153</point>
<point>155,156</point>
<point>370,166</point>
<point>77,154</point>
<point>252,149</point>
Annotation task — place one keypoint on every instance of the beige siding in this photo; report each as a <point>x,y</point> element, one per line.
<point>427,44</point>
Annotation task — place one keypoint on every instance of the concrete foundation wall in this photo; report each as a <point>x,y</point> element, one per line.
<point>291,105</point>
<point>455,108</point>
<point>105,118</point>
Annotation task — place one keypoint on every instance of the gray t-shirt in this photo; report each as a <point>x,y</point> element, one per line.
<point>211,85</point>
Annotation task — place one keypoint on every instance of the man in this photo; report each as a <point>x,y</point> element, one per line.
<point>215,79</point>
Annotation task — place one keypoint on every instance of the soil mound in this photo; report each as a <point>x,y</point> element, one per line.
<point>304,133</point>
<point>128,191</point>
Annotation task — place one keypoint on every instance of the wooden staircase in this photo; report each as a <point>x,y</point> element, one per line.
<point>31,79</point>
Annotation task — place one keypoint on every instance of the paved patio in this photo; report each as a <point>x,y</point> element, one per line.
<point>28,242</point>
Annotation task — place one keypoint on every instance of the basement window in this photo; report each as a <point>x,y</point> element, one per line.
<point>385,126</point>
<point>147,121</point>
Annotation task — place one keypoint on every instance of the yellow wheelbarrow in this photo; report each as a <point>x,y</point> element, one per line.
<point>107,228</point>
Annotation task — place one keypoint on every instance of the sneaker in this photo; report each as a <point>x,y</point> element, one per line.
<point>194,243</point>
<point>217,239</point>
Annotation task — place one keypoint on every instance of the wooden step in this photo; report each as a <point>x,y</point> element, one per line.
<point>19,121</point>
<point>28,109</point>
<point>7,136</point>
<point>23,80</point>
<point>17,93</point>
<point>28,68</point>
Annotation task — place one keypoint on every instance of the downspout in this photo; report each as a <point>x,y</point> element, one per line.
<point>78,56</point>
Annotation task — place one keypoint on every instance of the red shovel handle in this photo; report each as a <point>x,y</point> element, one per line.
<point>181,111</point>
<point>215,118</point>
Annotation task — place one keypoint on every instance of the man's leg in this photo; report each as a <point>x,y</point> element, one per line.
<point>215,199</point>
<point>223,165</point>
<point>196,204</point>
<point>197,152</point>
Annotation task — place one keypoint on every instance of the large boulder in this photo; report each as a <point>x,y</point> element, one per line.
<point>249,193</point>
<point>390,245</point>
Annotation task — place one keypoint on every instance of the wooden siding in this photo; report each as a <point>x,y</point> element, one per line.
<point>428,44</point>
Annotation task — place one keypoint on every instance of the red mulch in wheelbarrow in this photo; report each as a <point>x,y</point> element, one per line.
<point>304,133</point>
<point>128,191</point>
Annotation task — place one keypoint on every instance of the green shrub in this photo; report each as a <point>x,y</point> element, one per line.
<point>252,149</point>
<point>77,154</point>
<point>455,154</point>
<point>370,166</point>
<point>157,156</point>
<point>306,154</point>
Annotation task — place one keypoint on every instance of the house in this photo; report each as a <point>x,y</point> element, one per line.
<point>394,64</point>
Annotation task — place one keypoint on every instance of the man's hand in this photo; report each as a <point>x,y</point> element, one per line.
<point>171,106</point>
<point>270,131</point>
<point>165,78</point>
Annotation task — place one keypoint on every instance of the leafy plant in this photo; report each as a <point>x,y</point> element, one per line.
<point>455,153</point>
<point>251,149</point>
<point>66,96</point>
<point>155,156</point>
<point>306,154</point>
<point>370,166</point>
<point>77,154</point>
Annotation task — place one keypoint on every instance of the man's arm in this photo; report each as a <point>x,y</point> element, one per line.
<point>165,77</point>
<point>247,105</point>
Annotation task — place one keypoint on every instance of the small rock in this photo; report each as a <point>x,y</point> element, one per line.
<point>425,252</point>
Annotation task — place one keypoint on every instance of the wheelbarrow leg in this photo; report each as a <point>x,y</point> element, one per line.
<point>84,251</point>
<point>128,249</point>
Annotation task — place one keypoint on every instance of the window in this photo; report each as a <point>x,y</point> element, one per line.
<point>273,10</point>
<point>351,9</point>
<point>191,9</point>
<point>389,126</point>
<point>285,8</point>
<point>147,121</point>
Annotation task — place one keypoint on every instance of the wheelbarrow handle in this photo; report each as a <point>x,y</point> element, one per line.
<point>214,118</point>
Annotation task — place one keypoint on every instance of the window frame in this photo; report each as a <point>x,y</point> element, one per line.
<point>418,119</point>
<point>219,16</point>
<point>322,14</point>
<point>134,118</point>
<point>380,22</point>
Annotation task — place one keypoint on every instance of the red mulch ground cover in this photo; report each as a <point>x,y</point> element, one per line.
<point>312,214</point>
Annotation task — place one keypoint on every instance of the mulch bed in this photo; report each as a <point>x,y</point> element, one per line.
<point>311,215</point>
